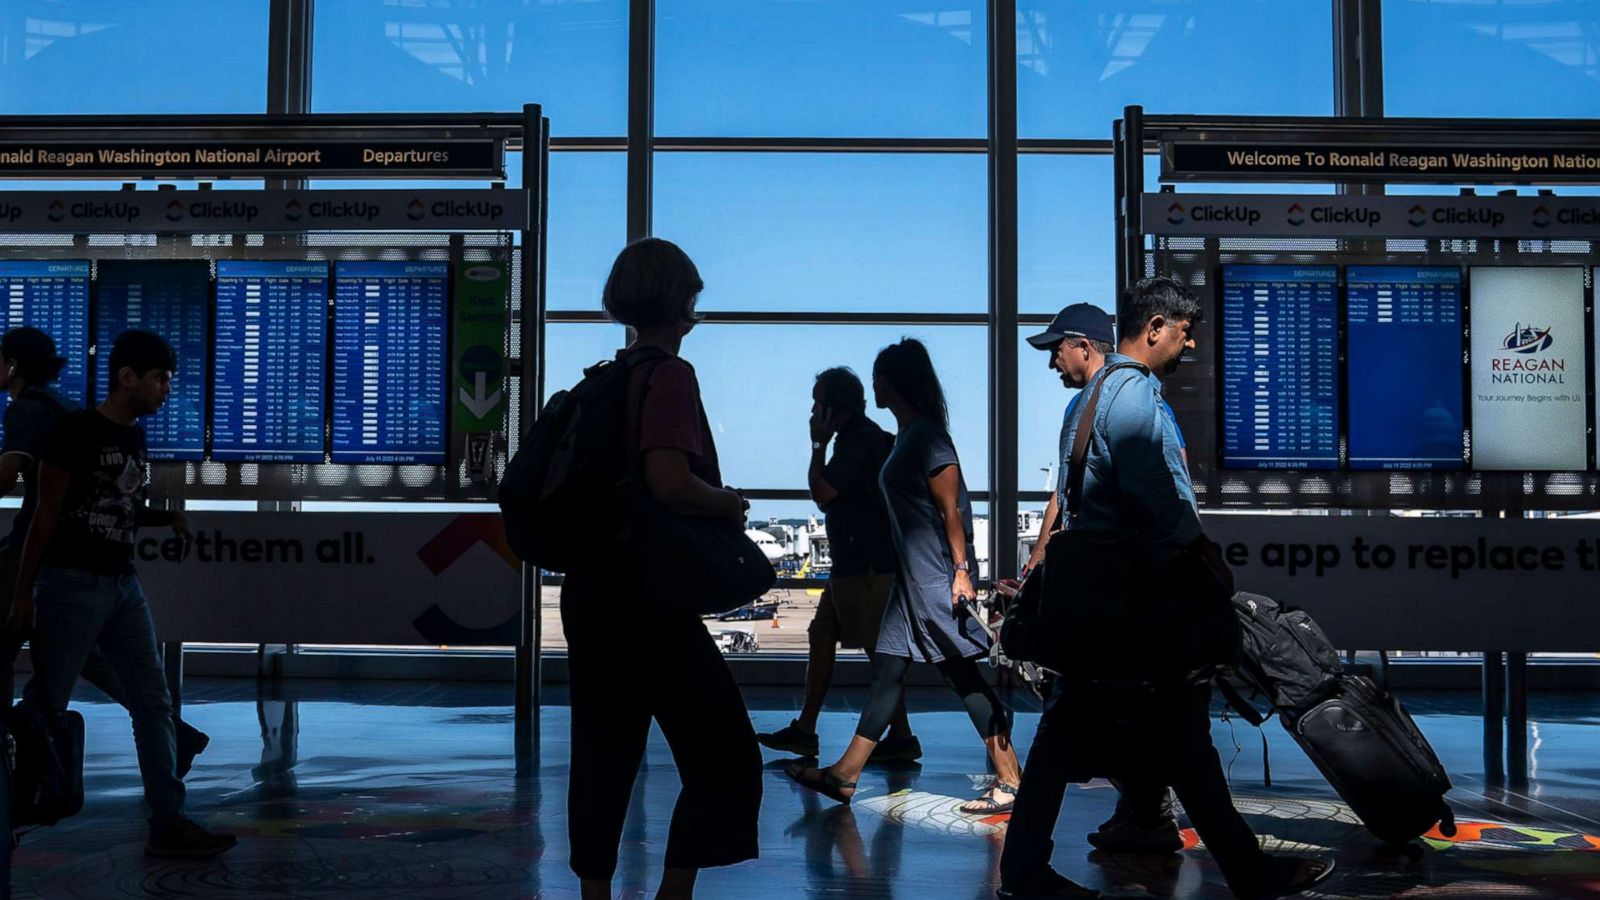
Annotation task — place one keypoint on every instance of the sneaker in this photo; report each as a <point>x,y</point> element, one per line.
<point>191,743</point>
<point>791,739</point>
<point>186,838</point>
<point>1126,836</point>
<point>1050,884</point>
<point>893,749</point>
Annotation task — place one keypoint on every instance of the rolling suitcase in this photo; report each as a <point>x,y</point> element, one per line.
<point>1354,730</point>
<point>1372,753</point>
<point>47,775</point>
<point>1030,674</point>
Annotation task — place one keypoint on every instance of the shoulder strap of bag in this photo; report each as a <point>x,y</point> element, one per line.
<point>646,360</point>
<point>1080,438</point>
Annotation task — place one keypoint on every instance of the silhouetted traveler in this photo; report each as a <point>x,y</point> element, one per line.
<point>76,584</point>
<point>930,518</point>
<point>630,661</point>
<point>1135,481</point>
<point>846,489</point>
<point>28,368</point>
<point>1078,340</point>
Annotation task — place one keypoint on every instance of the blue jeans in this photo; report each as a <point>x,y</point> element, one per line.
<point>77,611</point>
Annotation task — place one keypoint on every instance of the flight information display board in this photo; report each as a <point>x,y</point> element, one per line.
<point>52,296</point>
<point>1530,407</point>
<point>1403,376</point>
<point>389,362</point>
<point>1279,359</point>
<point>268,382</point>
<point>170,298</point>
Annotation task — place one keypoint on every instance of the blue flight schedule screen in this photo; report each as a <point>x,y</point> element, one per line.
<point>172,299</point>
<point>1280,367</point>
<point>54,298</point>
<point>389,362</point>
<point>1404,375</point>
<point>271,344</point>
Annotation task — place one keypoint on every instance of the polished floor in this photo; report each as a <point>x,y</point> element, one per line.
<point>403,790</point>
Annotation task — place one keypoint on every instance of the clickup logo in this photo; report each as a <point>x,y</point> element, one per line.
<point>174,211</point>
<point>1297,215</point>
<point>415,210</point>
<point>294,210</point>
<point>1417,216</point>
<point>1176,214</point>
<point>57,211</point>
<point>1541,216</point>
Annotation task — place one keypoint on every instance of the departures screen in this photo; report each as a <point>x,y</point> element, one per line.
<point>1403,376</point>
<point>170,298</point>
<point>54,298</point>
<point>269,388</point>
<point>1280,357</point>
<point>389,362</point>
<point>1529,376</point>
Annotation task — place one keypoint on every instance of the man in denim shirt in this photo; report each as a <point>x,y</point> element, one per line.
<point>1136,480</point>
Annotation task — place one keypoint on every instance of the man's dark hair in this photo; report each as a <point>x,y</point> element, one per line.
<point>842,391</point>
<point>143,352</point>
<point>32,354</point>
<point>652,282</point>
<point>909,371</point>
<point>1159,296</point>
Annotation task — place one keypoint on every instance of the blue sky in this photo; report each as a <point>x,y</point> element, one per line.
<point>822,232</point>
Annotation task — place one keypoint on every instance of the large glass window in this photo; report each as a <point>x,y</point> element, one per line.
<point>496,55</point>
<point>1470,58</point>
<point>1066,246</point>
<point>588,225</point>
<point>830,231</point>
<point>1081,61</point>
<point>115,57</point>
<point>756,382</point>
<point>835,68</point>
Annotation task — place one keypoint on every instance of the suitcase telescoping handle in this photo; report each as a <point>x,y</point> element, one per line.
<point>1382,679</point>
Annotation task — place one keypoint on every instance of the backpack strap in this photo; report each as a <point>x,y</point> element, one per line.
<point>1080,439</point>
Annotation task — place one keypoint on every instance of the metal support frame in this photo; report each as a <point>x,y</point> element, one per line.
<point>641,115</point>
<point>1358,58</point>
<point>289,56</point>
<point>1494,716</point>
<point>1003,399</point>
<point>529,679</point>
<point>1517,718</point>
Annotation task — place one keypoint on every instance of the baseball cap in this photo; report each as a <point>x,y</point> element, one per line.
<point>1086,319</point>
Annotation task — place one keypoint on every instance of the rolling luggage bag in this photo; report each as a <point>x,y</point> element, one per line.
<point>1354,730</point>
<point>1370,750</point>
<point>47,775</point>
<point>1028,673</point>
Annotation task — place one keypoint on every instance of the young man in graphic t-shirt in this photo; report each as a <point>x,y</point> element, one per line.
<point>76,585</point>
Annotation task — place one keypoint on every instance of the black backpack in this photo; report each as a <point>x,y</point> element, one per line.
<point>44,754</point>
<point>1287,659</point>
<point>559,498</point>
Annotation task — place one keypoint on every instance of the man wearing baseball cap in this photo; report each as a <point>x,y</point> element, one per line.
<point>1078,340</point>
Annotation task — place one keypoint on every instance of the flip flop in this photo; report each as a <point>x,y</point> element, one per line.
<point>826,783</point>
<point>991,808</point>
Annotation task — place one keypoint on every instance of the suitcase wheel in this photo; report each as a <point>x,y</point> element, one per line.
<point>1447,821</point>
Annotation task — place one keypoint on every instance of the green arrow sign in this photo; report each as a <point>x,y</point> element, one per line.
<point>479,366</point>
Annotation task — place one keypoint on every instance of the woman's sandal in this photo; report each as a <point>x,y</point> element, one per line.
<point>826,783</point>
<point>987,806</point>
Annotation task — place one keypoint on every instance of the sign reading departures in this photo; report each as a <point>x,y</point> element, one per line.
<point>395,158</point>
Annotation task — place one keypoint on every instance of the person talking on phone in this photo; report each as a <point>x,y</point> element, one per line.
<point>930,522</point>
<point>846,489</point>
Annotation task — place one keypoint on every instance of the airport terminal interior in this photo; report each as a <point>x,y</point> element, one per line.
<point>1345,252</point>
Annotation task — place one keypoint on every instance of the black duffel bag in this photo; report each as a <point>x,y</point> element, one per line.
<point>1100,605</point>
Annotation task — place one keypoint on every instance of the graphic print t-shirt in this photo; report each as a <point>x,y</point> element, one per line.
<point>100,514</point>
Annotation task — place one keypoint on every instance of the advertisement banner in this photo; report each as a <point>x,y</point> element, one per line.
<point>1358,216</point>
<point>1529,374</point>
<point>220,212</point>
<point>1400,583</point>
<point>333,578</point>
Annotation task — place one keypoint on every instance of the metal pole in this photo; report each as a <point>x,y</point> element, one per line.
<point>535,156</point>
<point>1494,711</point>
<point>1517,718</point>
<point>1130,212</point>
<point>641,115</point>
<point>1003,400</point>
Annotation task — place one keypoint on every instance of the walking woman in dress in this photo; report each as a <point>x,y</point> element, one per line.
<point>632,661</point>
<point>930,517</point>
